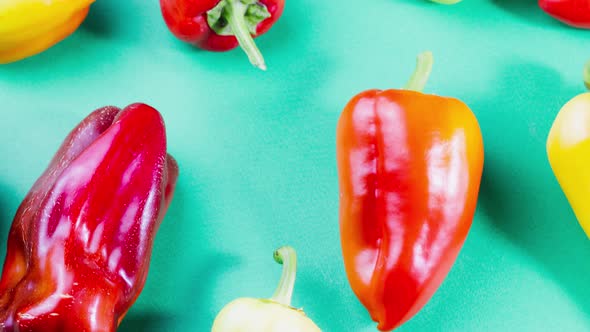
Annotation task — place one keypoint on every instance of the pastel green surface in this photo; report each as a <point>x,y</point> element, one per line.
<point>257,156</point>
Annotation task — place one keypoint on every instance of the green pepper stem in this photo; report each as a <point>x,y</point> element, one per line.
<point>237,10</point>
<point>288,257</point>
<point>420,76</point>
<point>587,75</point>
<point>446,2</point>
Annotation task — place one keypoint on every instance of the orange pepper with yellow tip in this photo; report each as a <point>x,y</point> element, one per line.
<point>28,27</point>
<point>568,149</point>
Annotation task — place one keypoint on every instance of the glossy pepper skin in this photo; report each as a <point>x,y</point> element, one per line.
<point>409,167</point>
<point>568,150</point>
<point>28,27</point>
<point>268,315</point>
<point>571,12</point>
<point>222,25</point>
<point>80,244</point>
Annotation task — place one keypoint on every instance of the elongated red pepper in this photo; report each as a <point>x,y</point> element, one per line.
<point>409,167</point>
<point>222,25</point>
<point>80,243</point>
<point>572,12</point>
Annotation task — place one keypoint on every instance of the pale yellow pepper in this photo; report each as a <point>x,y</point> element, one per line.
<point>268,315</point>
<point>28,27</point>
<point>568,149</point>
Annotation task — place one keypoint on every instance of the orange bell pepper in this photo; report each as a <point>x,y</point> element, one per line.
<point>409,169</point>
<point>28,27</point>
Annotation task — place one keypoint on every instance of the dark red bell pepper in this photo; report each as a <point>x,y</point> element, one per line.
<point>572,12</point>
<point>222,25</point>
<point>80,244</point>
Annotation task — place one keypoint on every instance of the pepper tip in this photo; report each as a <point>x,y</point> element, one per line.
<point>261,66</point>
<point>446,2</point>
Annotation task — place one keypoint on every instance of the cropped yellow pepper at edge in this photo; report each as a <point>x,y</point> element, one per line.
<point>28,27</point>
<point>568,150</point>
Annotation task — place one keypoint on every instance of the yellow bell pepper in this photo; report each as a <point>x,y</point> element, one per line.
<point>568,149</point>
<point>28,27</point>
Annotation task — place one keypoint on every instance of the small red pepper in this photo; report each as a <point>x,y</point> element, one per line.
<point>409,169</point>
<point>222,25</point>
<point>80,243</point>
<point>572,12</point>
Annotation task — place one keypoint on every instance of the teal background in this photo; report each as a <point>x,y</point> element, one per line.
<point>257,153</point>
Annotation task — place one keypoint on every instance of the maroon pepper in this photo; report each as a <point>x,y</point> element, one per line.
<point>80,244</point>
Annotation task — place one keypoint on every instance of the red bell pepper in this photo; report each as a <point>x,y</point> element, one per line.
<point>409,169</point>
<point>572,12</point>
<point>220,25</point>
<point>80,244</point>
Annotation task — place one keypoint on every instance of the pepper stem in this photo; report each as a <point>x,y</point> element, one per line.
<point>420,76</point>
<point>288,258</point>
<point>236,19</point>
<point>587,75</point>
